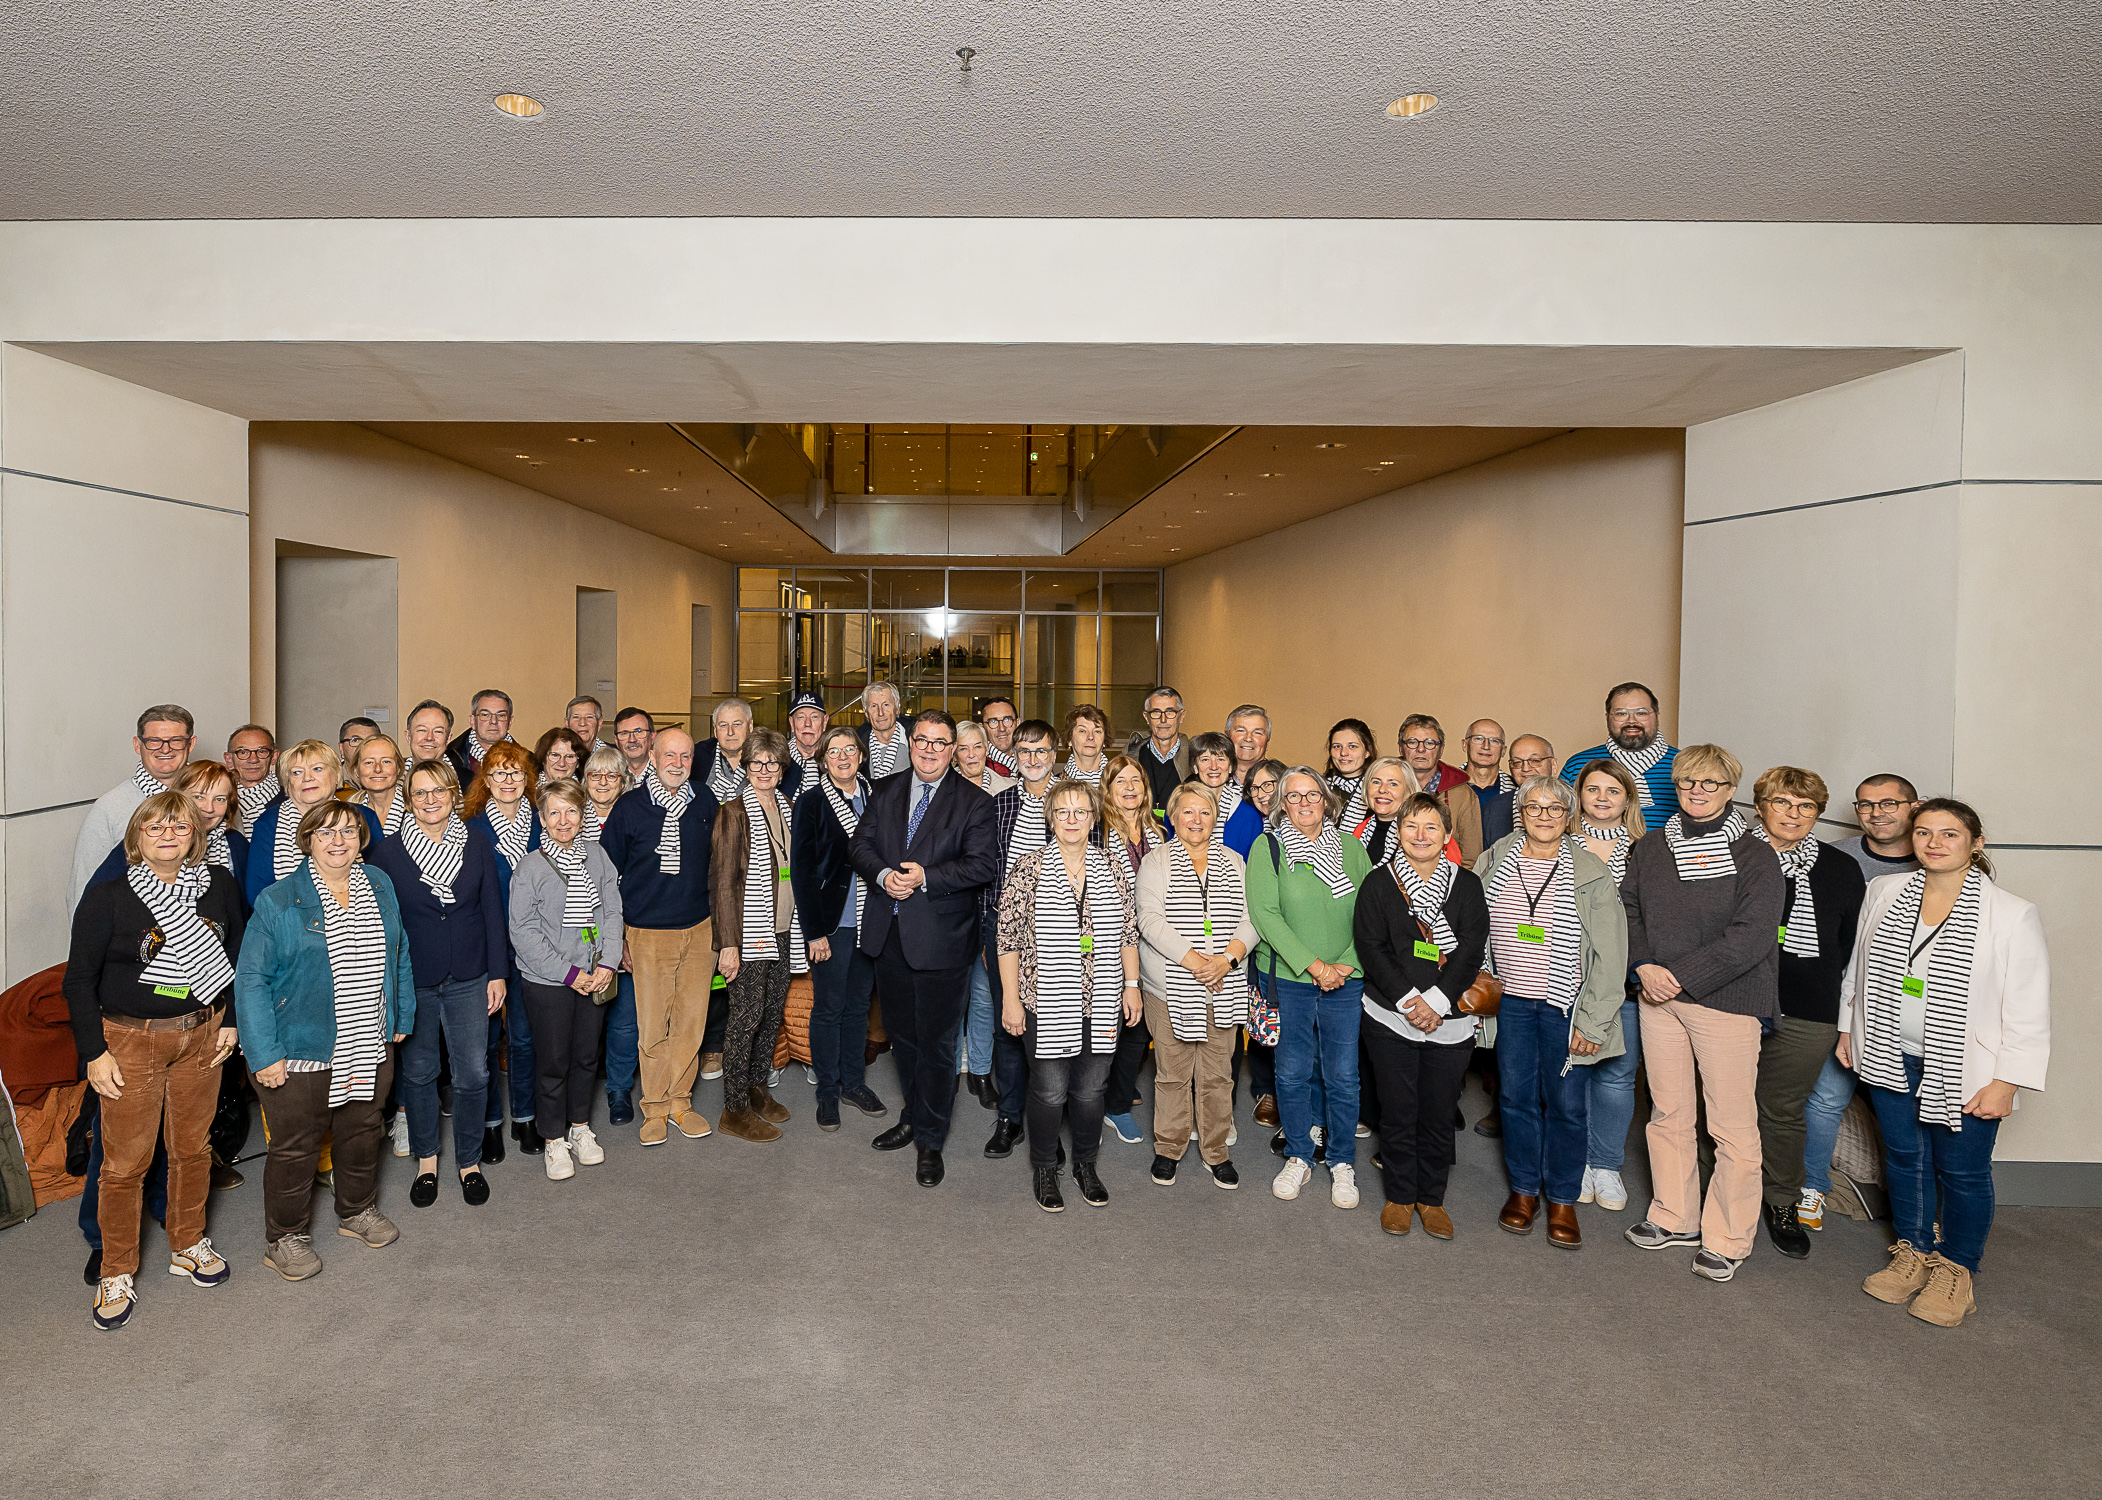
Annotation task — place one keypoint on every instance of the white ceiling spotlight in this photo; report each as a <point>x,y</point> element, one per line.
<point>519,106</point>
<point>1408,106</point>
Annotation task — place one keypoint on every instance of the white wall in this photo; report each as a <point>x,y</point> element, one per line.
<point>123,583</point>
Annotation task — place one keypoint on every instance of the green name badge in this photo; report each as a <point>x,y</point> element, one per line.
<point>1087,944</point>
<point>1529,934</point>
<point>1428,951</point>
<point>173,991</point>
<point>720,983</point>
<point>1915,986</point>
<point>590,934</point>
<point>1207,926</point>
<point>1784,934</point>
<point>784,872</point>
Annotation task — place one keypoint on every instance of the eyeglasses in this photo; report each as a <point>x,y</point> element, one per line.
<point>1788,807</point>
<point>927,743</point>
<point>1161,713</point>
<point>763,765</point>
<point>431,794</point>
<point>336,836</point>
<point>166,827</point>
<point>1531,762</point>
<point>1303,799</point>
<point>631,734</point>
<point>1704,785</point>
<point>160,746</point>
<point>1035,752</point>
<point>263,754</point>
<point>507,773</point>
<point>991,719</point>
<point>1072,814</point>
<point>1422,744</point>
<point>1545,810</point>
<point>1484,739</point>
<point>1264,787</point>
<point>602,775</point>
<point>1887,805</point>
<point>1625,715</point>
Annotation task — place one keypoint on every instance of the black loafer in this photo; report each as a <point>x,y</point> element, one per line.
<point>93,1274</point>
<point>474,1187</point>
<point>1164,1170</point>
<point>423,1192</point>
<point>929,1171</point>
<point>897,1138</point>
<point>987,1091</point>
<point>493,1144</point>
<point>620,1106</point>
<point>530,1141</point>
<point>1005,1134</point>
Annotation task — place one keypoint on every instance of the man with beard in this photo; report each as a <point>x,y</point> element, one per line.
<point>1634,741</point>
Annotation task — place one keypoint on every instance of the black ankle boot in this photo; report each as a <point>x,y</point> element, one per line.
<point>1091,1188</point>
<point>1048,1197</point>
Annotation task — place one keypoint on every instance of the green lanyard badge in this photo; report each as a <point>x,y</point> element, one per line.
<point>173,991</point>
<point>1530,934</point>
<point>1428,952</point>
<point>1915,986</point>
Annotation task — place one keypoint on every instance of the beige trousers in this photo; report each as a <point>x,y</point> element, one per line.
<point>1177,1066</point>
<point>674,969</point>
<point>1678,1037</point>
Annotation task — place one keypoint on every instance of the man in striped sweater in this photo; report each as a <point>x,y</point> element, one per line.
<point>1634,741</point>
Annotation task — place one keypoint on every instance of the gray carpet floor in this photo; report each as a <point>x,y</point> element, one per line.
<point>713,1317</point>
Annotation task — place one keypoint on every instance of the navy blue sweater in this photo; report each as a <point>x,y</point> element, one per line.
<point>466,940</point>
<point>648,897</point>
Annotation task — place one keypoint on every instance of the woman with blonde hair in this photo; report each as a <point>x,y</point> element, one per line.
<point>1130,832</point>
<point>376,783</point>
<point>1609,820</point>
<point>310,773</point>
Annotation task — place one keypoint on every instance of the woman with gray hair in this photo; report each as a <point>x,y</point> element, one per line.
<point>605,778</point>
<point>756,934</point>
<point>1558,939</point>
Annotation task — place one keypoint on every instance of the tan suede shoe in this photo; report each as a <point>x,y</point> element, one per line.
<point>1437,1223</point>
<point>1394,1218</point>
<point>766,1106</point>
<point>1902,1279</point>
<point>747,1126</point>
<point>1946,1299</point>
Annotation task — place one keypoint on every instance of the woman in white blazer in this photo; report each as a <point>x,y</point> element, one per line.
<point>1946,1012</point>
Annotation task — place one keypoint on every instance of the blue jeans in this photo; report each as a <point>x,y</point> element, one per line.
<point>1828,1101</point>
<point>622,1039</point>
<point>1936,1172</point>
<point>525,1099</point>
<point>1612,1094</point>
<point>1544,1106</point>
<point>1319,1027</point>
<point>458,1010</point>
<point>91,1190</point>
<point>978,1020</point>
<point>839,1017</point>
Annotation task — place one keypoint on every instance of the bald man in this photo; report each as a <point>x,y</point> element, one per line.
<point>658,837</point>
<point>1483,749</point>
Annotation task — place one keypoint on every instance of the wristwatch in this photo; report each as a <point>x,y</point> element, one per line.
<point>1232,964</point>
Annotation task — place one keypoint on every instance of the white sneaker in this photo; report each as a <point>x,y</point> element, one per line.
<point>1609,1191</point>
<point>1590,1177</point>
<point>1363,1130</point>
<point>809,1075</point>
<point>1193,1135</point>
<point>1316,1132</point>
<point>1296,1175</point>
<point>201,1263</point>
<point>559,1163</point>
<point>1233,1136</point>
<point>398,1132</point>
<point>1810,1210</point>
<point>584,1146</point>
<point>1343,1186</point>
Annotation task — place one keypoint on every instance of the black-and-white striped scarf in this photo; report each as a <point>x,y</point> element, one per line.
<point>1352,790</point>
<point>217,851</point>
<point>762,877</point>
<point>1946,967</point>
<point>513,835</point>
<point>1205,914</point>
<point>724,777</point>
<point>1074,773</point>
<point>593,824</point>
<point>1621,841</point>
<point>284,848</point>
<point>357,967</point>
<point>580,898</point>
<point>1705,856</point>
<point>843,809</point>
<point>1505,782</point>
<point>1230,798</point>
<point>1801,926</point>
<point>397,814</point>
<point>191,953</point>
<point>674,805</point>
<point>253,799</point>
<point>1427,897</point>
<point>147,782</point>
<point>1325,854</point>
<point>1032,829</point>
<point>1068,986</point>
<point>1638,763</point>
<point>885,756</point>
<point>1564,924</point>
<point>477,751</point>
<point>437,860</point>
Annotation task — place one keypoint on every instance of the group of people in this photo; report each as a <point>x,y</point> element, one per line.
<point>1034,911</point>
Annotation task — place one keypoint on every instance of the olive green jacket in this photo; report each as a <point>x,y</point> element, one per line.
<point>1605,923</point>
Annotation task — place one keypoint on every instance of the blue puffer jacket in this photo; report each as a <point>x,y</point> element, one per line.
<point>284,995</point>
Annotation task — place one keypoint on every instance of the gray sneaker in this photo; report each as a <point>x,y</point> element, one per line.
<point>1652,1236</point>
<point>1714,1266</point>
<point>293,1257</point>
<point>371,1226</point>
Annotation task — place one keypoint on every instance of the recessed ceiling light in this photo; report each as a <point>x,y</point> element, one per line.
<point>1271,474</point>
<point>1200,512</point>
<point>582,440</point>
<point>519,106</point>
<point>1408,106</point>
<point>638,471</point>
<point>1331,445</point>
<point>521,455</point>
<point>669,489</point>
<point>1386,463</point>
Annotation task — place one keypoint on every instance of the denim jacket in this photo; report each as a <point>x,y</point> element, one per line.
<point>284,994</point>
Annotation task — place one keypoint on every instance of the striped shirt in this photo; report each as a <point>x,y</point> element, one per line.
<point>1070,946</point>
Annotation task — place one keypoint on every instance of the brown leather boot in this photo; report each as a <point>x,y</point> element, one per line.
<point>766,1106</point>
<point>1519,1212</point>
<point>1266,1110</point>
<point>747,1126</point>
<point>1394,1218</point>
<point>1562,1230</point>
<point>1437,1223</point>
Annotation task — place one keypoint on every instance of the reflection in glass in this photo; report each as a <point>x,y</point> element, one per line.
<point>908,588</point>
<point>985,588</point>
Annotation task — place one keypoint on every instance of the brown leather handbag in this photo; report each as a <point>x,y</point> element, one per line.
<point>1483,996</point>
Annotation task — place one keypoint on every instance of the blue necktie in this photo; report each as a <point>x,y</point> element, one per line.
<point>912,824</point>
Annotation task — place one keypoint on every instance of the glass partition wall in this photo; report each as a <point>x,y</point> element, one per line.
<point>950,638</point>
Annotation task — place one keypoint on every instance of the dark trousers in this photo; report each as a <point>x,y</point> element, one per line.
<point>758,999</point>
<point>510,1055</point>
<point>1133,1043</point>
<point>1789,1064</point>
<point>920,1010</point>
<point>1010,1053</point>
<point>455,1013</point>
<point>1066,1088</point>
<point>1419,1085</point>
<point>718,1017</point>
<point>566,1031</point>
<point>839,1017</point>
<point>298,1118</point>
<point>1262,1066</point>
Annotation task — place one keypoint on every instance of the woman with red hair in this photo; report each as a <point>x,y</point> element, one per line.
<point>500,808</point>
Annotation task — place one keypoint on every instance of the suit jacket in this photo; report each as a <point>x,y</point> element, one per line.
<point>958,844</point>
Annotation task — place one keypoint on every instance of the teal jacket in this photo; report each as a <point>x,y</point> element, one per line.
<point>284,995</point>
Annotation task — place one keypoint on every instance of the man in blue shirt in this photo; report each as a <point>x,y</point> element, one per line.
<point>1633,740</point>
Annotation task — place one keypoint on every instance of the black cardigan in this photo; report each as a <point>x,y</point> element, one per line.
<point>818,871</point>
<point>1385,933</point>
<point>1810,986</point>
<point>469,939</point>
<point>110,928</point>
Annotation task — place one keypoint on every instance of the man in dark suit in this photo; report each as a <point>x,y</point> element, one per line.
<point>926,847</point>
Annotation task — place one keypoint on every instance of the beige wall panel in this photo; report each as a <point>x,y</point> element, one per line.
<point>488,577</point>
<point>63,420</point>
<point>1899,429</point>
<point>2063,1123</point>
<point>38,851</point>
<point>1423,600</point>
<point>1787,659</point>
<point>2028,655</point>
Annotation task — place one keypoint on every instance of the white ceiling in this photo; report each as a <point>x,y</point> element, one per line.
<point>1922,110</point>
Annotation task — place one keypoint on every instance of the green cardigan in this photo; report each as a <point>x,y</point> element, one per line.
<point>1299,918</point>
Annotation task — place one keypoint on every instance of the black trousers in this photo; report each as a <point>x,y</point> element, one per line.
<point>921,1008</point>
<point>1133,1042</point>
<point>1419,1085</point>
<point>1068,1089</point>
<point>566,1031</point>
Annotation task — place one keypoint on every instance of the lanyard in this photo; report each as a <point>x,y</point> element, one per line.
<point>1204,894</point>
<point>1532,897</point>
<point>1925,943</point>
